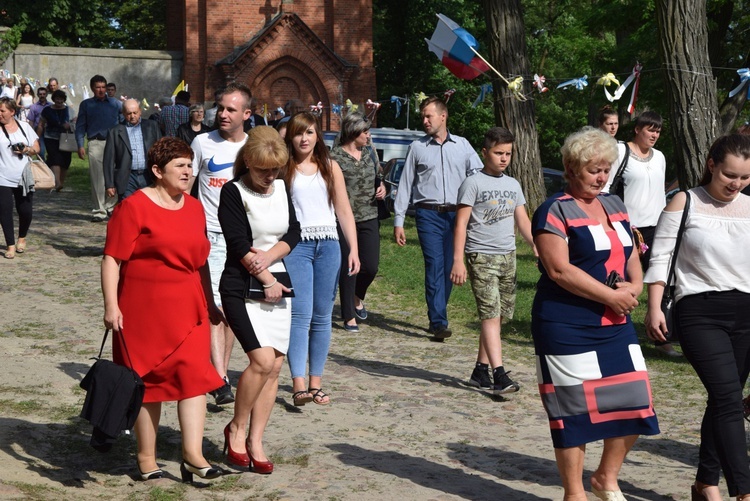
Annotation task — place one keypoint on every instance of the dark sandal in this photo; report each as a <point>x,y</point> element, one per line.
<point>299,399</point>
<point>318,395</point>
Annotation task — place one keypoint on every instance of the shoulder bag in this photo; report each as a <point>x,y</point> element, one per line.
<point>667,299</point>
<point>44,178</point>
<point>68,137</point>
<point>114,394</point>
<point>618,183</point>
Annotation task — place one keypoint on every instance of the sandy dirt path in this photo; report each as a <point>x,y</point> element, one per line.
<point>402,426</point>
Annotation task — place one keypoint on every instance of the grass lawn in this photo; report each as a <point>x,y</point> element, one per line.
<point>402,273</point>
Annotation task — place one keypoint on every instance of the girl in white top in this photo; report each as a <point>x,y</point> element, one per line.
<point>24,100</point>
<point>712,291</point>
<point>319,197</point>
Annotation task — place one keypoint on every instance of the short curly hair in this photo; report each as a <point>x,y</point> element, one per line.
<point>164,151</point>
<point>588,145</point>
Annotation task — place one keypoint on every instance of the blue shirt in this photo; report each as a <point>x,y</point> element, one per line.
<point>434,171</point>
<point>95,118</point>
<point>135,135</point>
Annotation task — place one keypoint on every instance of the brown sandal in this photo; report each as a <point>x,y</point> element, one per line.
<point>319,396</point>
<point>299,398</point>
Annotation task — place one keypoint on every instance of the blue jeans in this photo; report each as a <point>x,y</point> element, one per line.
<point>313,266</point>
<point>435,231</point>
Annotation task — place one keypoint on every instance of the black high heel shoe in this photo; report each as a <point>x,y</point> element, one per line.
<point>152,475</point>
<point>208,472</point>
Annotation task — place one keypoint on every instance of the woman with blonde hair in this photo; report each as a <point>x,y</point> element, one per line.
<point>260,227</point>
<point>591,372</point>
<point>319,195</point>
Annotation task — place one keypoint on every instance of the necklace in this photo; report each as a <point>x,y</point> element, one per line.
<point>255,193</point>
<point>174,206</point>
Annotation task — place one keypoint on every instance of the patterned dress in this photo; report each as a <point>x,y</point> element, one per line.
<point>591,372</point>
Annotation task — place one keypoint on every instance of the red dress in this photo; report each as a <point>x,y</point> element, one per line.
<point>165,316</point>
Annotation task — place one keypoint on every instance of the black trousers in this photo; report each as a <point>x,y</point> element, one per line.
<point>368,241</point>
<point>23,207</point>
<point>715,338</point>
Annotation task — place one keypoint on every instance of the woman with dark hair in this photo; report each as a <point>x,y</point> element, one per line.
<point>18,142</point>
<point>155,256</point>
<point>24,100</point>
<point>712,295</point>
<point>194,126</point>
<point>319,195</point>
<point>56,119</point>
<point>260,227</point>
<point>644,180</point>
<point>364,189</point>
<point>609,121</point>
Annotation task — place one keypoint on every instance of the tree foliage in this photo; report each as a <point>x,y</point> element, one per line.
<point>127,24</point>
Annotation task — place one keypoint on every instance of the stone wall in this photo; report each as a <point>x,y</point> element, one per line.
<point>139,74</point>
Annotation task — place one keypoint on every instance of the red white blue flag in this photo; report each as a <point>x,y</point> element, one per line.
<point>453,46</point>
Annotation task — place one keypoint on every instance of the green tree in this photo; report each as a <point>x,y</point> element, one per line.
<point>127,24</point>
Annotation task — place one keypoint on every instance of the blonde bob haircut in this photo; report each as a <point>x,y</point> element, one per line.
<point>263,150</point>
<point>586,146</point>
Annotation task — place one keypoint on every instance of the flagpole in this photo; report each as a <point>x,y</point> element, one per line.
<point>488,64</point>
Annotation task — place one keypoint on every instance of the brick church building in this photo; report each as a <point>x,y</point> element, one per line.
<point>312,50</point>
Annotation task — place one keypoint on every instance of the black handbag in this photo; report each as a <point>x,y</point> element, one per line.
<point>667,299</point>
<point>114,394</point>
<point>618,183</point>
<point>256,291</point>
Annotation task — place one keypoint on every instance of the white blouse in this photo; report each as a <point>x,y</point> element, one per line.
<point>644,185</point>
<point>316,216</point>
<point>713,254</point>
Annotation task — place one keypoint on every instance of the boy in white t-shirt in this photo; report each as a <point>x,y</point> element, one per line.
<point>489,203</point>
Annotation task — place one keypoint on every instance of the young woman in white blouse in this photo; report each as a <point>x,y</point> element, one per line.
<point>318,191</point>
<point>712,291</point>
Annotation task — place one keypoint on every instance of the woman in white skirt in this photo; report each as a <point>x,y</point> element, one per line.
<point>260,228</point>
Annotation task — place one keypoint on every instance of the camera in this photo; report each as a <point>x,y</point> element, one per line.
<point>18,149</point>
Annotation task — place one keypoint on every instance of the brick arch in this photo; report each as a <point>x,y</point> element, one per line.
<point>290,78</point>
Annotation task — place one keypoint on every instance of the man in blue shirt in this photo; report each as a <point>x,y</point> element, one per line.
<point>435,167</point>
<point>35,113</point>
<point>96,116</point>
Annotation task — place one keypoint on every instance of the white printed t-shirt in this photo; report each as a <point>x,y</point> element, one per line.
<point>213,166</point>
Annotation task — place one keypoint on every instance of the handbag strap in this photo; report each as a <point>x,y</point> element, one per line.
<point>104,341</point>
<point>670,275</point>
<point>624,164</point>
<point>19,128</point>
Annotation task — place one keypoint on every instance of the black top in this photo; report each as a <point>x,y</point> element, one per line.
<point>187,134</point>
<point>239,237</point>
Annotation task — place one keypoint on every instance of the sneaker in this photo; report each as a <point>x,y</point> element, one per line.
<point>351,328</point>
<point>440,332</point>
<point>504,384</point>
<point>98,218</point>
<point>480,378</point>
<point>223,395</point>
<point>361,313</point>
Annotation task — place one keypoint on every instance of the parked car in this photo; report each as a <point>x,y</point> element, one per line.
<point>392,170</point>
<point>553,181</point>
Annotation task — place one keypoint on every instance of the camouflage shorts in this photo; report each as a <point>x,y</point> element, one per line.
<point>493,280</point>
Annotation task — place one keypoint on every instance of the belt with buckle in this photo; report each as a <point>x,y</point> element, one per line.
<point>97,138</point>
<point>436,207</point>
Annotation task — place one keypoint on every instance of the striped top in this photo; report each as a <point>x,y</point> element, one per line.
<point>595,249</point>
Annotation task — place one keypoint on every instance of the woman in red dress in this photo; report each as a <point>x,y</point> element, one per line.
<point>154,278</point>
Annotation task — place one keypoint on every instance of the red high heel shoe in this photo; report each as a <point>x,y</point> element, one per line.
<point>236,458</point>
<point>262,467</point>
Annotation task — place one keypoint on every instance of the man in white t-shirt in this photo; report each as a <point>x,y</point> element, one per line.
<point>213,164</point>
